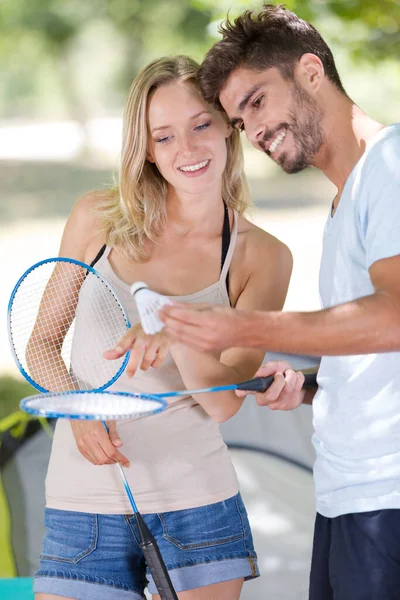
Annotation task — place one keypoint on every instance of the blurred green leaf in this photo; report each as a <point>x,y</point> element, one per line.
<point>11,392</point>
<point>42,37</point>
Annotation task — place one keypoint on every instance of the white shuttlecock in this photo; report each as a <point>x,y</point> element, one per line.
<point>148,304</point>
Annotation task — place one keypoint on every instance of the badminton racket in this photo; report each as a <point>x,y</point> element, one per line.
<point>256,385</point>
<point>62,316</point>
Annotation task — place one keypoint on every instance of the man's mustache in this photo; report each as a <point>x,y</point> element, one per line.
<point>269,135</point>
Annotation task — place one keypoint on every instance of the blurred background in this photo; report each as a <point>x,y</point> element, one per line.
<point>65,69</point>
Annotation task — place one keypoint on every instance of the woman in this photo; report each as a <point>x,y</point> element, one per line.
<point>174,222</point>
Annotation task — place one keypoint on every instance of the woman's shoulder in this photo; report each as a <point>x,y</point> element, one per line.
<point>83,232</point>
<point>255,241</point>
<point>90,204</point>
<point>261,265</point>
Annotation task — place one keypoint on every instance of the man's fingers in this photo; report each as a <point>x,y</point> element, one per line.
<point>177,315</point>
<point>191,336</point>
<point>181,312</point>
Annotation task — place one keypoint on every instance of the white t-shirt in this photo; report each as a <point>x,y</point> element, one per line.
<point>357,406</point>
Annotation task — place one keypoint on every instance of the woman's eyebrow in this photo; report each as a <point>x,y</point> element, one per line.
<point>202,112</point>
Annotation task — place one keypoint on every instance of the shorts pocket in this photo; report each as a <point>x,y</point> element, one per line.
<point>70,536</point>
<point>203,527</point>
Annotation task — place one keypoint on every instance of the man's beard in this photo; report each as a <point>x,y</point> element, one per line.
<point>305,123</point>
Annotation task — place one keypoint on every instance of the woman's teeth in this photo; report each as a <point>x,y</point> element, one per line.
<point>277,141</point>
<point>197,167</point>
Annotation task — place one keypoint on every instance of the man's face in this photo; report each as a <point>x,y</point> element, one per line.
<point>279,116</point>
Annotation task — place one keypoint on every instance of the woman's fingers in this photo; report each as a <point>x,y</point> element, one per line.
<point>161,355</point>
<point>150,353</point>
<point>271,367</point>
<point>156,352</point>
<point>140,346</point>
<point>286,395</point>
<point>123,345</point>
<point>95,444</point>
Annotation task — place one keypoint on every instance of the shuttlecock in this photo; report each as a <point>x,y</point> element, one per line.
<point>148,304</point>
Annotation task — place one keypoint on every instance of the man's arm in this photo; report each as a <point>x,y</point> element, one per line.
<point>364,326</point>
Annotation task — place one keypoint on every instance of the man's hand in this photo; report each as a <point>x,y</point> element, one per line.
<point>146,350</point>
<point>205,327</point>
<point>95,444</point>
<point>286,392</point>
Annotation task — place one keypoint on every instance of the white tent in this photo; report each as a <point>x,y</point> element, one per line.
<point>273,456</point>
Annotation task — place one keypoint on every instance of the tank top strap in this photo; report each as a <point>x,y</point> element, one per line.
<point>231,249</point>
<point>101,256</point>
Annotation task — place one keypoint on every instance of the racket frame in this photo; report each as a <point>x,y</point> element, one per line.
<point>24,405</point>
<point>86,267</point>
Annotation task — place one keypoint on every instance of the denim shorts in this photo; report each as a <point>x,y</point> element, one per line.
<point>98,557</point>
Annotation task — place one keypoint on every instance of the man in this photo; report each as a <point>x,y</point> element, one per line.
<point>276,79</point>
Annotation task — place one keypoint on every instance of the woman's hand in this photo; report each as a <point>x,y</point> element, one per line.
<point>98,445</point>
<point>146,350</point>
<point>286,392</point>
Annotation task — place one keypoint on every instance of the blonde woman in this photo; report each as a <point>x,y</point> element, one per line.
<point>176,223</point>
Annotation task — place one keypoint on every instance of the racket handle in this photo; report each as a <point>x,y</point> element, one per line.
<point>155,561</point>
<point>261,384</point>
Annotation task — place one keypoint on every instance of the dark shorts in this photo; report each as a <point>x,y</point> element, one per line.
<point>98,557</point>
<point>356,557</point>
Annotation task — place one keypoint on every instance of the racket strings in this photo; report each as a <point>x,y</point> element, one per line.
<point>93,405</point>
<point>56,354</point>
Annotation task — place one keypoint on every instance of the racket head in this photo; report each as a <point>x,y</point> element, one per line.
<point>91,405</point>
<point>48,295</point>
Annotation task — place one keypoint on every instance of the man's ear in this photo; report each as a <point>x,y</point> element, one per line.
<point>310,71</point>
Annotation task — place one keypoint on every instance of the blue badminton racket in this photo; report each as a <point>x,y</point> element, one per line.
<point>62,316</point>
<point>255,385</point>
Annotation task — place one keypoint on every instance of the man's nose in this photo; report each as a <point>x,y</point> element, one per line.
<point>255,133</point>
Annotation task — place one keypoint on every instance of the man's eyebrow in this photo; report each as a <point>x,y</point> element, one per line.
<point>245,100</point>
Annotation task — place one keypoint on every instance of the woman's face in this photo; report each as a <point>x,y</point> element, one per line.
<point>187,138</point>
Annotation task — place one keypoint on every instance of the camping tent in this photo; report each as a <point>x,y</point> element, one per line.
<point>273,455</point>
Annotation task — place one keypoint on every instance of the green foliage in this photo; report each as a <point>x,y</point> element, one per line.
<point>370,29</point>
<point>11,392</point>
<point>41,42</point>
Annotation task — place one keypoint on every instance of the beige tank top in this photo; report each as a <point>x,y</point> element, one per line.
<point>178,458</point>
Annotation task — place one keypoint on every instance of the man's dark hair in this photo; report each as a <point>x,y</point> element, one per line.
<point>275,37</point>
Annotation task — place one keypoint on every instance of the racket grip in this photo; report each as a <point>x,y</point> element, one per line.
<point>261,384</point>
<point>155,561</point>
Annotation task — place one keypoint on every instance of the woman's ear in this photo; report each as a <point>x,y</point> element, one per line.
<point>150,157</point>
<point>229,129</point>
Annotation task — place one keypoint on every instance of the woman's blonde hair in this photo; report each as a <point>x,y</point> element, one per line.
<point>135,212</point>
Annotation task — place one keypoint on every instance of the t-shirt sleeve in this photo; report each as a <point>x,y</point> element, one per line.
<point>381,201</point>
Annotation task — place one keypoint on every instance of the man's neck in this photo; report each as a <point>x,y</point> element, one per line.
<point>347,132</point>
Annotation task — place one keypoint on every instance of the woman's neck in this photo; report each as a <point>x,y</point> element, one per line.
<point>187,213</point>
